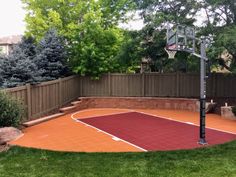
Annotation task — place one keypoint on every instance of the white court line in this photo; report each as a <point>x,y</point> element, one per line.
<point>162,117</point>
<point>116,139</point>
<point>128,111</point>
<point>190,123</point>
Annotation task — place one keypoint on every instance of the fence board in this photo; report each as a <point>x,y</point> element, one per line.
<point>43,98</point>
<point>95,87</point>
<point>126,85</point>
<point>184,85</point>
<point>189,85</point>
<point>226,85</point>
<point>160,85</point>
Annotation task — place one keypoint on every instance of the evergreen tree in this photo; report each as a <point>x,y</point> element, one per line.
<point>18,68</point>
<point>2,59</point>
<point>28,45</point>
<point>51,56</point>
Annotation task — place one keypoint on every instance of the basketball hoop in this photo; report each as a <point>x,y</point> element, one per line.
<point>171,53</point>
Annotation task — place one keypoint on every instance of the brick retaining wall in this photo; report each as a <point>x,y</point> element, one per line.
<point>139,103</point>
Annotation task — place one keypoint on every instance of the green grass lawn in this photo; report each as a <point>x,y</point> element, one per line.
<point>215,161</point>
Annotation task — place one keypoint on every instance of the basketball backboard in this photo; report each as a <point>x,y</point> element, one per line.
<point>181,38</point>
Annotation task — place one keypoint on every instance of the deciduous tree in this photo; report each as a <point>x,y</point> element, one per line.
<point>89,27</point>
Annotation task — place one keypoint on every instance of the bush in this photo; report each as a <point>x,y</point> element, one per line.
<point>234,110</point>
<point>11,111</point>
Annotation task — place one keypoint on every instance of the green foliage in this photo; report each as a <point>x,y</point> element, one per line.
<point>66,16</point>
<point>51,57</point>
<point>18,68</point>
<point>114,12</point>
<point>220,26</point>
<point>76,20</point>
<point>89,28</point>
<point>30,62</point>
<point>130,53</point>
<point>224,41</point>
<point>28,46</point>
<point>220,12</point>
<point>227,41</point>
<point>11,111</point>
<point>96,48</point>
<point>156,14</point>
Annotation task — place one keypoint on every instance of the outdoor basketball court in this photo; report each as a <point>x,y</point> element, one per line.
<point>124,130</point>
<point>150,133</point>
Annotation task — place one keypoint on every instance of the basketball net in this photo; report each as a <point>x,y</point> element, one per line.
<point>171,51</point>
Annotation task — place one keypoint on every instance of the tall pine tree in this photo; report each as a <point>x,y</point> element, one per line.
<point>51,56</point>
<point>18,68</point>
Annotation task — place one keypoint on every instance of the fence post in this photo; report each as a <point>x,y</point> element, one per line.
<point>78,86</point>
<point>40,100</point>
<point>60,92</point>
<point>177,84</point>
<point>143,84</point>
<point>214,85</point>
<point>29,104</point>
<point>109,84</point>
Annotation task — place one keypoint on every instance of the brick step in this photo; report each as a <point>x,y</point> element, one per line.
<point>68,109</point>
<point>43,119</point>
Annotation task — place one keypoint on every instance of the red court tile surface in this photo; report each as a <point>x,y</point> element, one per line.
<point>153,133</point>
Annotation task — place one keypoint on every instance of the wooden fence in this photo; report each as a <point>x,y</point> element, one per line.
<point>158,85</point>
<point>46,97</point>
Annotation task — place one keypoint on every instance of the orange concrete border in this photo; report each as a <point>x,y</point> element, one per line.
<point>64,134</point>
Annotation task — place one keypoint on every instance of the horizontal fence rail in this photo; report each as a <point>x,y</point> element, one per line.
<point>47,97</point>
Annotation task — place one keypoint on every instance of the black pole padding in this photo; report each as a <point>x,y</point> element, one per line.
<point>202,132</point>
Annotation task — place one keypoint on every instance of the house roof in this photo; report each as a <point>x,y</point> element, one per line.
<point>10,39</point>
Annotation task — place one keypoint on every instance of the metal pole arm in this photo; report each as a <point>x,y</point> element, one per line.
<point>199,56</point>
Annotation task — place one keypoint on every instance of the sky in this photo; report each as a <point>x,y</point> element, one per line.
<point>11,17</point>
<point>135,24</point>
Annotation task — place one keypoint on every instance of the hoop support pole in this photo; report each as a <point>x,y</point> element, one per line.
<point>202,131</point>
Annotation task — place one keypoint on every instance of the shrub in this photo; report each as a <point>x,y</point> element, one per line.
<point>11,111</point>
<point>234,110</point>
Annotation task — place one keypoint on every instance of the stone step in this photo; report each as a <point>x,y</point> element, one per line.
<point>76,102</point>
<point>43,119</point>
<point>68,109</point>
